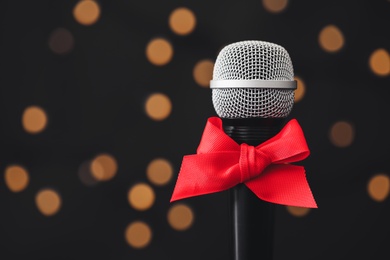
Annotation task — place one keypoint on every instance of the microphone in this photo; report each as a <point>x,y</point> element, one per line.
<point>253,93</point>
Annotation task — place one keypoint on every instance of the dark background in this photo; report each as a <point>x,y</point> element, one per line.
<point>95,95</point>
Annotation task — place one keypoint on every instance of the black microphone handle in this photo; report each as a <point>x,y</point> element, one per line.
<point>251,219</point>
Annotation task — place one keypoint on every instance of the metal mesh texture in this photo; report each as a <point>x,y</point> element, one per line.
<point>253,60</point>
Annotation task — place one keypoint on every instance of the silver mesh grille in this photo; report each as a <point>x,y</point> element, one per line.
<point>247,60</point>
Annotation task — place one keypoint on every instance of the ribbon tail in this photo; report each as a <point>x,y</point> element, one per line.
<point>206,173</point>
<point>283,184</point>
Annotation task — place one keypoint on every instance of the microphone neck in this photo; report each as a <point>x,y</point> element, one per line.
<point>252,131</point>
<point>251,220</point>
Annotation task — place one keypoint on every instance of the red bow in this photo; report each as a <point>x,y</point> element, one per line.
<point>221,163</point>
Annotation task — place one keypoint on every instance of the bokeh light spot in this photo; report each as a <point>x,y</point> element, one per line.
<point>16,178</point>
<point>203,72</point>
<point>275,6</point>
<point>300,91</point>
<point>380,62</point>
<point>61,41</point>
<point>182,21</point>
<point>298,211</point>
<point>180,217</point>
<point>159,51</point>
<point>48,202</point>
<point>378,187</point>
<point>159,171</point>
<point>34,119</point>
<point>86,12</point>
<point>138,234</point>
<point>104,167</point>
<point>342,134</point>
<point>141,196</point>
<point>158,106</point>
<point>85,174</point>
<point>331,39</point>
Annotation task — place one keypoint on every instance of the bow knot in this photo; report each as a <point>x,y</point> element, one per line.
<point>220,164</point>
<point>252,162</point>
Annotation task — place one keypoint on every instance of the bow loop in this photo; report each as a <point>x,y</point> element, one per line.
<point>221,163</point>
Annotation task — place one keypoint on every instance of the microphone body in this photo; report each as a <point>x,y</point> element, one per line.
<point>253,92</point>
<point>251,220</point>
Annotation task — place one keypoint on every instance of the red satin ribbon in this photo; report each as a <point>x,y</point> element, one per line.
<point>220,164</point>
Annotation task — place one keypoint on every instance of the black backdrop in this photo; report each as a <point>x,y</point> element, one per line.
<point>94,97</point>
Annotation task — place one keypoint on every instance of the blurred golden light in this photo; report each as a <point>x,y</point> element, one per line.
<point>159,171</point>
<point>159,51</point>
<point>275,6</point>
<point>380,62</point>
<point>342,134</point>
<point>158,106</point>
<point>182,21</point>
<point>203,72</point>
<point>48,202</point>
<point>331,39</point>
<point>300,91</point>
<point>61,41</point>
<point>138,234</point>
<point>16,178</point>
<point>104,167</point>
<point>141,196</point>
<point>85,174</point>
<point>34,119</point>
<point>180,217</point>
<point>86,12</point>
<point>298,211</point>
<point>378,187</point>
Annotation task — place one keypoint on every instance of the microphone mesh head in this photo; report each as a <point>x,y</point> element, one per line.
<point>247,60</point>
